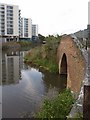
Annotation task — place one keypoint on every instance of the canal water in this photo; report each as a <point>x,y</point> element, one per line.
<point>24,88</point>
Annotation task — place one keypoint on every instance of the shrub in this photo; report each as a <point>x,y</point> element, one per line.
<point>58,107</point>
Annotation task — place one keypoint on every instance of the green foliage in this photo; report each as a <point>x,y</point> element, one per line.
<point>24,43</point>
<point>45,55</point>
<point>51,47</point>
<point>45,63</point>
<point>58,107</point>
<point>41,37</point>
<point>48,65</point>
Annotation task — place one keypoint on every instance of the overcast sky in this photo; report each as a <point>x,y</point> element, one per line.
<point>54,16</point>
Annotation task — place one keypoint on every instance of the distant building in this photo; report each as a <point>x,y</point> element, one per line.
<point>9,21</point>
<point>34,32</point>
<point>13,27</point>
<point>26,28</point>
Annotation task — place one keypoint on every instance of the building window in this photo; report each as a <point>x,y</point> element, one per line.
<point>9,31</point>
<point>9,22</point>
<point>2,24</point>
<point>9,25</point>
<point>9,7</point>
<point>8,14</point>
<point>2,16</point>
<point>2,32</point>
<point>26,34</point>
<point>2,8</point>
<point>2,27</point>
<point>9,11</point>
<point>9,18</point>
<point>2,20</point>
<point>2,12</point>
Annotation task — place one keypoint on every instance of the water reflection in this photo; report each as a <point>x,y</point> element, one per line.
<point>55,80</point>
<point>12,63</point>
<point>25,87</point>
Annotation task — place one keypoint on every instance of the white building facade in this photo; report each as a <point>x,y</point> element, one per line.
<point>34,32</point>
<point>13,27</point>
<point>26,28</point>
<point>9,20</point>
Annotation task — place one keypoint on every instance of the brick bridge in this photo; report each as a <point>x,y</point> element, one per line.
<point>71,62</point>
<point>74,62</point>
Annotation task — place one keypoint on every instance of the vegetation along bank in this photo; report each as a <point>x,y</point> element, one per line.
<point>45,56</point>
<point>59,107</point>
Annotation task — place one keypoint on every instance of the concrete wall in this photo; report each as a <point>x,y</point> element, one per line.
<point>75,63</point>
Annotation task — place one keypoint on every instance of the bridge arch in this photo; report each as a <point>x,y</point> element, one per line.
<point>71,62</point>
<point>63,65</point>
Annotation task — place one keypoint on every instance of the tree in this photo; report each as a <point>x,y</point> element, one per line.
<point>41,38</point>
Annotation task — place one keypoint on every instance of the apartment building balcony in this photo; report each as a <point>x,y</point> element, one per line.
<point>9,25</point>
<point>2,8</point>
<point>2,27</point>
<point>9,17</point>
<point>2,19</point>
<point>2,22</point>
<point>2,11</point>
<point>2,32</point>
<point>9,7</point>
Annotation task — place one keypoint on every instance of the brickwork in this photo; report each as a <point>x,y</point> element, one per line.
<point>75,63</point>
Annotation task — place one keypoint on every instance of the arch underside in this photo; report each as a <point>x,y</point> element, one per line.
<point>63,70</point>
<point>63,67</point>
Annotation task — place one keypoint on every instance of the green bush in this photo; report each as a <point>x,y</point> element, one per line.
<point>58,107</point>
